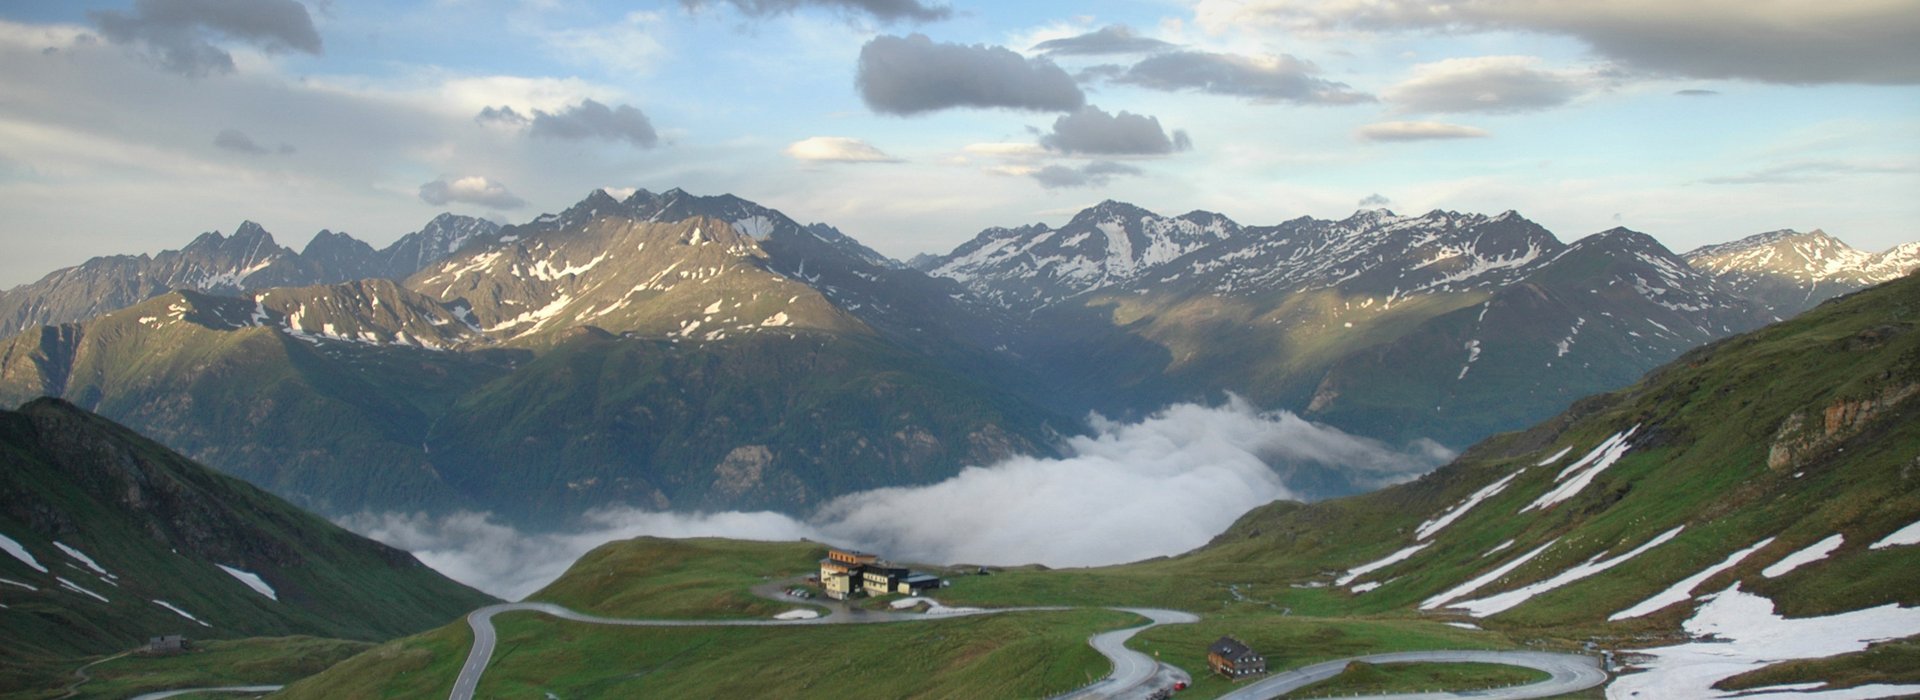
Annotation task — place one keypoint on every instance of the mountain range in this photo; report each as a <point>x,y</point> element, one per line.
<point>678,351</point>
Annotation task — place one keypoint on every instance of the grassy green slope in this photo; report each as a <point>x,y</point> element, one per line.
<point>692,578</point>
<point>159,524</point>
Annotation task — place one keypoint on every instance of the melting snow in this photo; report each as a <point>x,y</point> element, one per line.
<point>1483,579</point>
<point>797,615</point>
<point>252,580</point>
<point>934,606</point>
<point>19,552</point>
<point>1501,602</point>
<point>69,585</point>
<point>1683,590</point>
<point>1473,353</point>
<point>1464,625</point>
<point>1743,633</point>
<point>1497,549</point>
<point>778,319</point>
<point>84,559</point>
<point>1368,586</point>
<point>1814,552</point>
<point>1590,466</point>
<point>754,227</point>
<point>12,582</point>
<point>177,611</point>
<point>1556,456</point>
<point>1389,560</point>
<point>1901,537</point>
<point>1446,518</point>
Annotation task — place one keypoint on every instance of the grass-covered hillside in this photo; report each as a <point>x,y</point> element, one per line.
<point>111,538</point>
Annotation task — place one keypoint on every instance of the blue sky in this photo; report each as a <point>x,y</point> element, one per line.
<point>130,126</point>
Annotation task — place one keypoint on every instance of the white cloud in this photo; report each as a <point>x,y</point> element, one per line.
<point>1417,131</point>
<point>837,149</point>
<point>472,189</point>
<point>1162,486</point>
<point>1494,84</point>
<point>628,47</point>
<point>1784,41</point>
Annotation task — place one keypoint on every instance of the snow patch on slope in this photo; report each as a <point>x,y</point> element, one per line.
<point>1902,537</point>
<point>1502,602</point>
<point>177,611</point>
<point>1683,590</point>
<point>1389,560</point>
<point>1740,632</point>
<point>1814,552</point>
<point>1584,470</point>
<point>12,547</point>
<point>252,580</point>
<point>1451,514</point>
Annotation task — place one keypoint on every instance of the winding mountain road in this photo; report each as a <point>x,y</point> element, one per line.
<point>1570,673</point>
<point>1133,673</point>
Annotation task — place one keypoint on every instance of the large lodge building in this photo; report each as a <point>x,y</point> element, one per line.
<point>846,572</point>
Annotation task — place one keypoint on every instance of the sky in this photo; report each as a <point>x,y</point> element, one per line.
<point>130,126</point>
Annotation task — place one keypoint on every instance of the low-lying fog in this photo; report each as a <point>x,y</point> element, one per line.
<point>1164,485</point>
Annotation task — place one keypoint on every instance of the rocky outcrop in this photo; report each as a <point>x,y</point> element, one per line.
<point>1802,435</point>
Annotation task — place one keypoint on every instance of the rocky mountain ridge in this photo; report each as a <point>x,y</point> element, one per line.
<point>1788,271</point>
<point>248,260</point>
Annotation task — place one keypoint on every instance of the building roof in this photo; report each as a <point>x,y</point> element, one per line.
<point>1232,649</point>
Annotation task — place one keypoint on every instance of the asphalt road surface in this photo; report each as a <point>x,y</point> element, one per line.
<point>1570,673</point>
<point>254,689</point>
<point>1135,675</point>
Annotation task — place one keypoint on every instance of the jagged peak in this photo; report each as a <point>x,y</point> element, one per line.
<point>1110,209</point>
<point>249,229</point>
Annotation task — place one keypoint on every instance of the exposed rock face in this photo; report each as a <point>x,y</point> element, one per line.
<point>1796,440</point>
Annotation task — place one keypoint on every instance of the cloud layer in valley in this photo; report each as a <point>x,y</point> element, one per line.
<point>1161,486</point>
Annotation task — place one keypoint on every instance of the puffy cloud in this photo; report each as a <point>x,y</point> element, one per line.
<point>883,10</point>
<point>837,149</point>
<point>472,189</point>
<point>1374,201</point>
<point>1494,84</point>
<point>914,75</point>
<point>592,120</point>
<point>1262,78</point>
<point>587,120</point>
<point>1852,41</point>
<point>1095,174</point>
<point>177,34</point>
<point>1112,39</point>
<point>1194,468</point>
<point>1417,131</point>
<point>1092,131</point>
<point>503,116</point>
